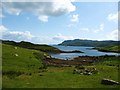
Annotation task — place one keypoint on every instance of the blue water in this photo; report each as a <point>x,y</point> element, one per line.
<point>88,51</point>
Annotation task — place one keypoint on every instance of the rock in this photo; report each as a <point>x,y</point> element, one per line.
<point>84,60</point>
<point>15,47</point>
<point>40,74</point>
<point>16,55</point>
<point>48,57</point>
<point>109,82</point>
<point>87,73</point>
<point>76,71</point>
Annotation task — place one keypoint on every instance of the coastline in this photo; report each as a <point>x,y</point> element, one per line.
<point>103,50</point>
<point>81,60</point>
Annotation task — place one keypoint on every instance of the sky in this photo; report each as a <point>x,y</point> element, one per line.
<point>56,21</point>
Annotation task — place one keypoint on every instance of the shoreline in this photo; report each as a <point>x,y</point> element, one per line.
<point>108,51</point>
<point>74,51</point>
<point>81,60</point>
<point>102,50</point>
<point>61,51</point>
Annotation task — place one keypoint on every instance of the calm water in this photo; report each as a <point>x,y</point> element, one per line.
<point>88,51</point>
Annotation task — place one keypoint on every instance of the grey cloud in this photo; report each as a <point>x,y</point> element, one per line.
<point>39,8</point>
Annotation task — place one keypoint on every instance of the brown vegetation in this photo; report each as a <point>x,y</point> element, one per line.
<point>81,60</point>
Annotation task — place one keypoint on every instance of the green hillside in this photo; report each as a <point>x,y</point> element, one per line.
<point>24,68</point>
<point>29,45</point>
<point>19,59</point>
<point>92,43</point>
<point>114,48</point>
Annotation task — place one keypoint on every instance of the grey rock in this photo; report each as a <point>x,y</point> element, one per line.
<point>109,82</point>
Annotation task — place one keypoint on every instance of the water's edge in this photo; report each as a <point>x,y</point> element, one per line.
<point>87,51</point>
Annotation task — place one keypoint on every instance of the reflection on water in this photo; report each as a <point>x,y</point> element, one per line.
<point>88,51</point>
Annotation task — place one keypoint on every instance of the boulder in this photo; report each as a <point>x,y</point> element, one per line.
<point>15,47</point>
<point>16,54</point>
<point>109,82</point>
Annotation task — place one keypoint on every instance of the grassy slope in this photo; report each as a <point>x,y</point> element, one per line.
<point>0,66</point>
<point>110,48</point>
<point>26,62</point>
<point>29,45</point>
<point>59,77</point>
<point>25,57</point>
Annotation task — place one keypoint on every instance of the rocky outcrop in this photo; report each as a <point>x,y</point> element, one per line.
<point>85,71</point>
<point>109,82</point>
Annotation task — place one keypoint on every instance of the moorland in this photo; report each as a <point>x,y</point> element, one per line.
<point>28,65</point>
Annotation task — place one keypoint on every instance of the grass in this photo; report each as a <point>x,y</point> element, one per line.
<point>0,66</point>
<point>23,71</point>
<point>62,78</point>
<point>29,45</point>
<point>114,48</point>
<point>24,62</point>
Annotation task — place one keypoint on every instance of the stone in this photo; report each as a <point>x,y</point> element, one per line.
<point>16,55</point>
<point>109,82</point>
<point>15,47</point>
<point>48,57</point>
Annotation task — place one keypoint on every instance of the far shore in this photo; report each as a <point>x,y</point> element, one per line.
<point>102,50</point>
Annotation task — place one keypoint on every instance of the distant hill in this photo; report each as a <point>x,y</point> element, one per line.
<point>29,45</point>
<point>93,43</point>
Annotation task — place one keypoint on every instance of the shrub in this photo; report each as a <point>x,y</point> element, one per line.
<point>12,74</point>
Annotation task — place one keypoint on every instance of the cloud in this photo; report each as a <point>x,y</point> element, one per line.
<point>113,17</point>
<point>43,18</point>
<point>6,34</point>
<point>26,35</point>
<point>114,35</point>
<point>14,35</point>
<point>74,18</point>
<point>42,40</point>
<point>21,36</point>
<point>2,29</point>
<point>101,28</point>
<point>1,15</point>
<point>41,9</point>
<point>61,37</point>
<point>14,11</point>
<point>17,35</point>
